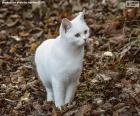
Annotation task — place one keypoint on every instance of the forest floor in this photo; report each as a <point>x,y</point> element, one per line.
<point>110,82</point>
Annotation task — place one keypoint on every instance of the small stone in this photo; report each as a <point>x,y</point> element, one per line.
<point>110,54</point>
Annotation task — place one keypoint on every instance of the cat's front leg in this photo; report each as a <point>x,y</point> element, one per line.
<point>59,92</point>
<point>70,92</point>
<point>50,96</point>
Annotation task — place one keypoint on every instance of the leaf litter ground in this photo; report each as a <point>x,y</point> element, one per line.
<point>109,84</point>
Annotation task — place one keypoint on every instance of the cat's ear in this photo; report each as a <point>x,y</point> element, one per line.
<point>81,15</point>
<point>65,25</point>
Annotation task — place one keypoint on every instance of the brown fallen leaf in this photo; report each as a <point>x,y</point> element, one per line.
<point>115,114</point>
<point>130,13</point>
<point>37,107</point>
<point>96,27</point>
<point>37,35</point>
<point>3,10</point>
<point>95,81</point>
<point>3,34</point>
<point>23,34</point>
<point>111,26</point>
<point>84,110</point>
<point>33,47</point>
<point>103,77</point>
<point>118,39</point>
<point>12,23</point>
<point>13,50</point>
<point>107,106</point>
<point>115,24</point>
<point>114,2</point>
<point>97,112</point>
<point>118,106</point>
<point>15,16</point>
<point>24,98</point>
<point>71,112</point>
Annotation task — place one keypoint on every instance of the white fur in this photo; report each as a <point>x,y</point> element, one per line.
<point>59,61</point>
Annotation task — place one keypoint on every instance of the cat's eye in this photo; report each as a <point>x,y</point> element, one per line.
<point>85,32</point>
<point>77,35</point>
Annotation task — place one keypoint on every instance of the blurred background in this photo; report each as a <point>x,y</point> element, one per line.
<point>109,84</point>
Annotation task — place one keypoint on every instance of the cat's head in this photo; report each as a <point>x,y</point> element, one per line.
<point>75,31</point>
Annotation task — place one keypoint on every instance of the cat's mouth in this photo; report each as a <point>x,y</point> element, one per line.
<point>85,41</point>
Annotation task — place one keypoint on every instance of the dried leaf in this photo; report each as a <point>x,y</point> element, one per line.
<point>25,97</point>
<point>33,47</point>
<point>130,13</point>
<point>84,110</point>
<point>11,23</point>
<point>16,38</point>
<point>119,106</point>
<point>23,34</point>
<point>13,50</point>
<point>118,39</point>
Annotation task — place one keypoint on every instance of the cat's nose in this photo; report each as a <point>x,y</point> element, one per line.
<point>85,39</point>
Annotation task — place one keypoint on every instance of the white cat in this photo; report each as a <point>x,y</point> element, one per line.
<point>59,61</point>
